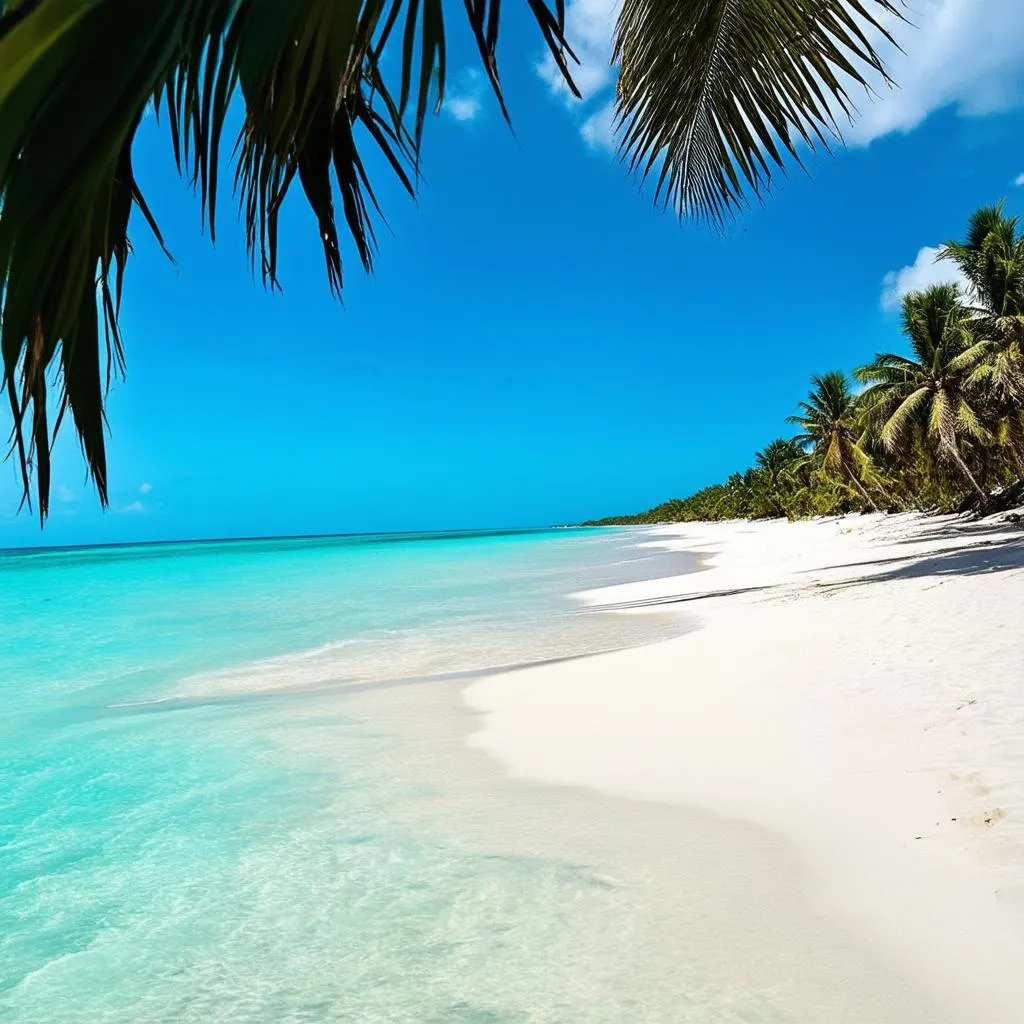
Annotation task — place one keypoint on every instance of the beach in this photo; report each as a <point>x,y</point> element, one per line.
<point>856,687</point>
<point>460,583</point>
<point>752,773</point>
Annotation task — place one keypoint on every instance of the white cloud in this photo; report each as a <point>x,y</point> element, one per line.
<point>599,129</point>
<point>589,25</point>
<point>135,506</point>
<point>964,54</point>
<point>65,494</point>
<point>1019,180</point>
<point>922,273</point>
<point>145,488</point>
<point>463,108</point>
<point>464,100</point>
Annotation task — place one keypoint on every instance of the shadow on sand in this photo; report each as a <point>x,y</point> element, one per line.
<point>987,556</point>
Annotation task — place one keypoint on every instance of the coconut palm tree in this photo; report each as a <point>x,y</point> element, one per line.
<point>830,425</point>
<point>991,260</point>
<point>778,463</point>
<point>930,390</point>
<point>713,94</point>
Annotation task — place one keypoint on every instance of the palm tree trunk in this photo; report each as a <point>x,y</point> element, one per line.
<point>954,453</point>
<point>1018,458</point>
<point>861,490</point>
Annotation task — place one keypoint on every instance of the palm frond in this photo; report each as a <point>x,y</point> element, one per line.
<point>969,423</point>
<point>970,357</point>
<point>320,81</point>
<point>888,368</point>
<point>992,259</point>
<point>832,459</point>
<point>931,321</point>
<point>896,429</point>
<point>942,419</point>
<point>714,94</point>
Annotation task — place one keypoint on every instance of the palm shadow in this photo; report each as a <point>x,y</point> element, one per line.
<point>969,560</point>
<point>991,532</point>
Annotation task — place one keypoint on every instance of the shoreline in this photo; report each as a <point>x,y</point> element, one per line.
<point>855,686</point>
<point>660,913</point>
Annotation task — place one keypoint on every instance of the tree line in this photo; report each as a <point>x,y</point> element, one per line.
<point>940,428</point>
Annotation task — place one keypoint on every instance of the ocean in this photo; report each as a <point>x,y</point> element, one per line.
<point>195,826</point>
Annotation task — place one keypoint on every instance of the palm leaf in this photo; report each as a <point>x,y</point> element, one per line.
<point>970,357</point>
<point>713,94</point>
<point>970,424</point>
<point>942,420</point>
<point>319,82</point>
<point>992,260</point>
<point>888,368</point>
<point>896,429</point>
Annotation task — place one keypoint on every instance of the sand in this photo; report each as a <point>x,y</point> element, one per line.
<point>854,685</point>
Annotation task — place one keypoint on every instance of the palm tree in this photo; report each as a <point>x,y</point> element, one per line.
<point>830,426</point>
<point>712,94</point>
<point>778,462</point>
<point>931,390</point>
<point>991,259</point>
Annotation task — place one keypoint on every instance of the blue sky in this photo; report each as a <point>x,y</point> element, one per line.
<point>538,344</point>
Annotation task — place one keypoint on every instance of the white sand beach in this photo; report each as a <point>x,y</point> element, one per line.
<point>855,686</point>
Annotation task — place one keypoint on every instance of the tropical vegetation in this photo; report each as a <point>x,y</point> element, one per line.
<point>713,98</point>
<point>938,427</point>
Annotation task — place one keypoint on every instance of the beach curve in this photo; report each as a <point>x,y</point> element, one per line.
<point>857,686</point>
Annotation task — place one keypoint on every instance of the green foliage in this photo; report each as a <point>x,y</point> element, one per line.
<point>940,428</point>
<point>713,94</point>
<point>319,82</point>
<point>930,398</point>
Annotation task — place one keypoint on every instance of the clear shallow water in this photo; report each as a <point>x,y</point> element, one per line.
<point>166,856</point>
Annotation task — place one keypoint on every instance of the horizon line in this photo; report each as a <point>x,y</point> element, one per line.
<point>43,548</point>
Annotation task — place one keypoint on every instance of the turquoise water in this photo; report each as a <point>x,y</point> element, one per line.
<point>169,852</point>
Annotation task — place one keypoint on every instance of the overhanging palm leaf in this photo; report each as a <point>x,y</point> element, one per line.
<point>714,93</point>
<point>76,77</point>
